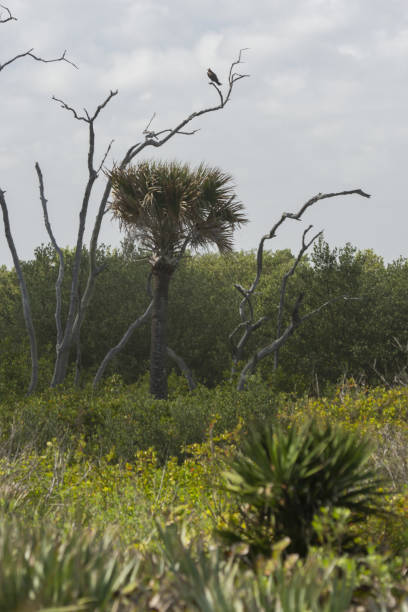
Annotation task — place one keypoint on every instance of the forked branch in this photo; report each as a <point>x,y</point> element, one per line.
<point>296,321</point>
<point>8,17</point>
<point>246,309</point>
<point>76,308</point>
<point>152,137</point>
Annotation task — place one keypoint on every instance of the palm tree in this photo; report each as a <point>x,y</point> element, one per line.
<point>166,208</point>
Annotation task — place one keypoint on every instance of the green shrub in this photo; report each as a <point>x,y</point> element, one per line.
<point>39,568</point>
<point>128,418</point>
<point>282,479</point>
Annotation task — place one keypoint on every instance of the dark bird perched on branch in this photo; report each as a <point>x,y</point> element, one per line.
<point>213,77</point>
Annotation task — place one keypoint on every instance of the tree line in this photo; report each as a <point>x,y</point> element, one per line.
<point>364,337</point>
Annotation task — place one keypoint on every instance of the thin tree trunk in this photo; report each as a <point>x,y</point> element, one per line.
<point>158,346</point>
<point>24,296</point>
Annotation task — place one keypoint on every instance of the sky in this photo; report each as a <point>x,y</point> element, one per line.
<point>325,109</point>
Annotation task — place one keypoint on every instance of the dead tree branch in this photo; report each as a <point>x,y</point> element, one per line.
<point>296,321</point>
<point>9,16</point>
<point>75,311</point>
<point>289,273</point>
<point>152,139</point>
<point>61,269</point>
<point>246,310</point>
<point>123,341</point>
<point>183,367</point>
<point>29,53</point>
<point>24,296</point>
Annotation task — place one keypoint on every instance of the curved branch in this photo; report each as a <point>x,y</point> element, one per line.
<point>30,53</point>
<point>274,346</point>
<point>152,137</point>
<point>289,273</point>
<point>9,15</point>
<point>246,302</point>
<point>76,310</point>
<point>183,367</point>
<point>123,341</point>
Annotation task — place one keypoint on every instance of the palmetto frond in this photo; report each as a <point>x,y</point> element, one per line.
<point>167,206</point>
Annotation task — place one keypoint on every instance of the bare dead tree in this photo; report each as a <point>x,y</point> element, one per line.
<point>246,309</point>
<point>23,287</point>
<point>24,296</point>
<point>61,269</point>
<point>152,138</point>
<point>69,337</point>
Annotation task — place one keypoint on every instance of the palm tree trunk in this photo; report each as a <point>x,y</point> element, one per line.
<point>158,344</point>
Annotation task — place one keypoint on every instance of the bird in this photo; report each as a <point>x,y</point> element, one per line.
<point>213,77</point>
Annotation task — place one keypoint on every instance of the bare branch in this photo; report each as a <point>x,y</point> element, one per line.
<point>60,278</point>
<point>297,216</point>
<point>183,367</point>
<point>30,53</point>
<point>296,321</point>
<point>157,134</point>
<point>149,133</point>
<point>247,320</point>
<point>152,137</point>
<point>127,335</point>
<point>69,108</point>
<point>111,94</point>
<point>289,273</point>
<point>87,118</point>
<point>77,306</point>
<point>9,15</point>
<point>105,156</point>
<point>246,302</point>
<point>152,134</point>
<point>24,296</point>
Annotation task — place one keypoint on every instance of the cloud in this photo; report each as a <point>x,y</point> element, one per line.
<point>325,104</point>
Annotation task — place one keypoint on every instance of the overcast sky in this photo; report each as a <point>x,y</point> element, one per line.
<point>325,109</point>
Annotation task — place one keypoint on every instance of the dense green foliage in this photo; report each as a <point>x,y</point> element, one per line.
<point>76,467</point>
<point>347,338</point>
<point>129,491</point>
<point>283,479</point>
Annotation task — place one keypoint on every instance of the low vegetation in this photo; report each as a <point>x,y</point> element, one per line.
<point>256,501</point>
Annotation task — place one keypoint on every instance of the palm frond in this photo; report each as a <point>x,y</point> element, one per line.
<point>164,204</point>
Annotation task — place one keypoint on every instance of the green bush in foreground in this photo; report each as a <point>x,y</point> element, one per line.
<point>38,568</point>
<point>282,479</point>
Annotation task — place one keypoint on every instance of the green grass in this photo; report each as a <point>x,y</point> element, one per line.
<point>77,466</point>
